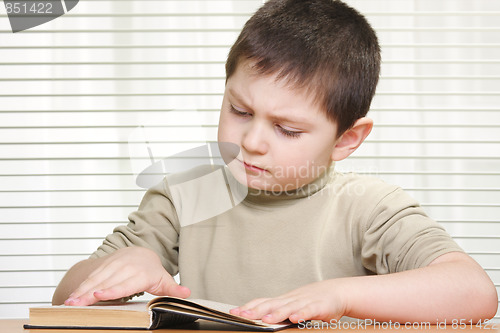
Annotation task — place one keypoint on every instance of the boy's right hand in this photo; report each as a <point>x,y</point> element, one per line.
<point>126,272</point>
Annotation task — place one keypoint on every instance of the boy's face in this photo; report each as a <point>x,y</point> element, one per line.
<point>285,138</point>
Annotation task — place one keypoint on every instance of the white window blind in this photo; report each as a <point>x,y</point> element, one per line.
<point>72,91</point>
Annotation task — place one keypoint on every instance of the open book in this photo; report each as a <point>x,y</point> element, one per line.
<point>160,312</point>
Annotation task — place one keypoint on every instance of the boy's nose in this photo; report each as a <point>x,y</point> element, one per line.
<point>254,140</point>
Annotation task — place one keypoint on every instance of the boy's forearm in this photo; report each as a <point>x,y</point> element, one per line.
<point>73,278</point>
<point>452,287</point>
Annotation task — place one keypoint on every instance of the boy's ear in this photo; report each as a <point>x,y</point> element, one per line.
<point>352,139</point>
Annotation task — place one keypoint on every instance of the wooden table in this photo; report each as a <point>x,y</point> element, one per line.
<point>16,326</point>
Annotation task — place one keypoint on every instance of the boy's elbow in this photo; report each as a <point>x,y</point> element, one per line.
<point>477,302</point>
<point>483,298</point>
<point>478,298</point>
<point>489,305</point>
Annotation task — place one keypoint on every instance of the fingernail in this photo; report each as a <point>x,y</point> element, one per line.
<point>268,318</point>
<point>246,313</point>
<point>71,301</point>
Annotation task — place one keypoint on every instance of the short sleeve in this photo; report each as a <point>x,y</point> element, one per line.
<point>154,225</point>
<point>399,236</point>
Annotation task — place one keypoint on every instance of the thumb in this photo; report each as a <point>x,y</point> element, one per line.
<point>168,287</point>
<point>179,291</point>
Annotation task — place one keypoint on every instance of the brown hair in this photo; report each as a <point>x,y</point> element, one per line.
<point>324,46</point>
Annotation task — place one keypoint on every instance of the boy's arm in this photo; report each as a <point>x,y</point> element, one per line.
<point>128,261</point>
<point>453,286</point>
<point>123,273</point>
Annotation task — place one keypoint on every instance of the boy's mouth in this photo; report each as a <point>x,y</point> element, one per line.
<point>252,168</point>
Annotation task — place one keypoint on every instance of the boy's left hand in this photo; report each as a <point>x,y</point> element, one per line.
<point>317,301</point>
<point>418,295</point>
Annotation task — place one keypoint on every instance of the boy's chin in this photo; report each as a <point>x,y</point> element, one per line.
<point>263,182</point>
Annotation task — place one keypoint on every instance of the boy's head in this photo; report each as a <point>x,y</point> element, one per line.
<point>322,46</point>
<point>300,79</point>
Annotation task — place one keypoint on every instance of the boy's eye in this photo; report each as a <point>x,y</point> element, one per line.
<point>288,132</point>
<point>282,129</point>
<point>240,113</point>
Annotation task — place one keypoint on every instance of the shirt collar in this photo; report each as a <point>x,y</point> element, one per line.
<point>262,196</point>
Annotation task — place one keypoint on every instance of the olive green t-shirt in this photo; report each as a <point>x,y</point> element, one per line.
<point>340,225</point>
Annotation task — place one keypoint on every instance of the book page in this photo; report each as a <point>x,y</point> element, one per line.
<point>129,306</point>
<point>222,307</point>
<point>207,307</point>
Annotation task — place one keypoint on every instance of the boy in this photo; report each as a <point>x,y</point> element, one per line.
<point>306,242</point>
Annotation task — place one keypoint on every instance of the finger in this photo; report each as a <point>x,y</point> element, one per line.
<point>314,311</point>
<point>83,300</point>
<point>179,291</point>
<point>305,313</point>
<point>84,294</point>
<point>168,287</point>
<point>264,308</point>
<point>283,312</point>
<point>95,279</point>
<point>87,298</point>
<point>246,307</point>
<point>112,289</point>
<point>124,288</point>
<point>130,286</point>
<point>299,316</point>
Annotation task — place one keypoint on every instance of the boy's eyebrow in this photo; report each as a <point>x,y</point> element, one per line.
<point>301,120</point>
<point>280,119</point>
<point>237,96</point>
